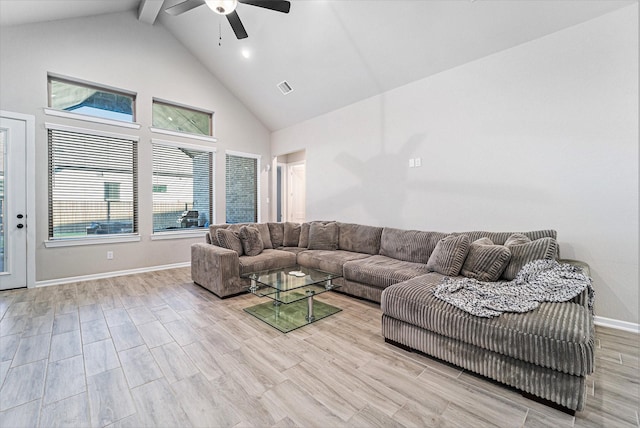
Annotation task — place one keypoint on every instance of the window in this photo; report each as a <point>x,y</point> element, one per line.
<point>242,184</point>
<point>92,183</point>
<point>91,100</point>
<point>182,186</point>
<point>178,118</point>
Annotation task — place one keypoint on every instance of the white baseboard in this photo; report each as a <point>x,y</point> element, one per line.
<point>91,277</point>
<point>617,324</point>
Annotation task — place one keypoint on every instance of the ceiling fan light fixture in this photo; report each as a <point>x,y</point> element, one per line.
<point>222,7</point>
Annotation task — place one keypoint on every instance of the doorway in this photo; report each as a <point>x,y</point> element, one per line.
<point>291,187</point>
<point>16,259</point>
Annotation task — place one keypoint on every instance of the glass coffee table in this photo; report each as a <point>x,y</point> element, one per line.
<point>291,293</point>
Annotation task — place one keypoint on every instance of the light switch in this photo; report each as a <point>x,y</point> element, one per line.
<point>412,163</point>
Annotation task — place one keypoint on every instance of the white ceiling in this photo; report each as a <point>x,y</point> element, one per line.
<point>337,52</point>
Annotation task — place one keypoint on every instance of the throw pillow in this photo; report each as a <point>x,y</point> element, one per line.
<point>276,230</point>
<point>230,240</point>
<point>486,261</point>
<point>323,236</point>
<point>291,234</point>
<point>449,255</point>
<point>252,243</point>
<point>521,254</point>
<point>304,235</point>
<point>517,239</point>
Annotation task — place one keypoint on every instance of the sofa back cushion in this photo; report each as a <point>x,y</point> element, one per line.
<point>276,230</point>
<point>409,245</point>
<point>323,236</point>
<point>359,238</point>
<point>500,238</point>
<point>291,234</point>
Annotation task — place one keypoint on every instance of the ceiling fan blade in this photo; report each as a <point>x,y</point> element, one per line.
<point>183,7</point>
<point>277,5</point>
<point>237,26</point>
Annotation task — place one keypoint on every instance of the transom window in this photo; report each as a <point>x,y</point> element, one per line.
<point>92,183</point>
<point>182,187</point>
<point>179,118</point>
<point>91,100</point>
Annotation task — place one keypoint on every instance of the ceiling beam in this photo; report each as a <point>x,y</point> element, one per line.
<point>149,10</point>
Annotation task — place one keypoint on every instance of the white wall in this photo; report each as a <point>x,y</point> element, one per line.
<point>543,135</point>
<point>119,51</point>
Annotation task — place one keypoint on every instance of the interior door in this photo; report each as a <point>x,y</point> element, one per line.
<point>297,192</point>
<point>13,203</point>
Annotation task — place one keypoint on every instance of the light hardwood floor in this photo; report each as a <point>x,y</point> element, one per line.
<point>156,350</point>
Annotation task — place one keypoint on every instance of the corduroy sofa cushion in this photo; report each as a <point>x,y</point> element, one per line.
<point>543,248</point>
<point>291,234</point>
<point>229,239</point>
<point>449,255</point>
<point>555,335</point>
<point>382,271</point>
<point>485,261</point>
<point>359,238</point>
<point>268,259</point>
<point>252,244</point>
<point>409,245</point>
<point>323,236</point>
<point>328,260</point>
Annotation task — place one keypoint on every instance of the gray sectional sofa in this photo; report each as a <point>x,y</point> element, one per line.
<point>545,353</point>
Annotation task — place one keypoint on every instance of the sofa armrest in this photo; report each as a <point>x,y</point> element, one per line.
<point>583,298</point>
<point>217,269</point>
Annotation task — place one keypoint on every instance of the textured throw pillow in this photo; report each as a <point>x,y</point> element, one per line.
<point>517,239</point>
<point>276,230</point>
<point>449,255</point>
<point>230,240</point>
<point>252,243</point>
<point>323,236</point>
<point>304,235</point>
<point>521,254</point>
<point>291,234</point>
<point>485,261</point>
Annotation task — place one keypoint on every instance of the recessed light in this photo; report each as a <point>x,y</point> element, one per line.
<point>246,53</point>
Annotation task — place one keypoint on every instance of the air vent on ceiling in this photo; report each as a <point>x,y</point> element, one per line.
<point>285,87</point>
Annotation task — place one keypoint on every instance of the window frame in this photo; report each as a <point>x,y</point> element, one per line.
<point>52,242</point>
<point>188,233</point>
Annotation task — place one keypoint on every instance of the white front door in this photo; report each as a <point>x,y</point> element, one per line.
<point>297,192</point>
<point>13,203</point>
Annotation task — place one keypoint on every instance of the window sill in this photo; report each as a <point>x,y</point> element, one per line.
<point>84,117</point>
<point>159,236</point>
<point>77,242</point>
<point>184,135</point>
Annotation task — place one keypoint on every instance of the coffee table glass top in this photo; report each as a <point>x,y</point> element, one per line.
<point>277,284</point>
<point>291,292</point>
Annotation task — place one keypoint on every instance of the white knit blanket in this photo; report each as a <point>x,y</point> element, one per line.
<point>538,281</point>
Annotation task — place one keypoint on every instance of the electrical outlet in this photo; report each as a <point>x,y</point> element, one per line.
<point>418,162</point>
<point>109,255</point>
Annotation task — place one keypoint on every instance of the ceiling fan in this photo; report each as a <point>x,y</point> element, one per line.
<point>228,8</point>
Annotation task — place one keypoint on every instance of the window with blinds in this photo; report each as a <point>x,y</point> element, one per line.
<point>242,184</point>
<point>182,187</point>
<point>92,183</point>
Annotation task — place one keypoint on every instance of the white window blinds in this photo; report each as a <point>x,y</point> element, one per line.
<point>182,187</point>
<point>92,183</point>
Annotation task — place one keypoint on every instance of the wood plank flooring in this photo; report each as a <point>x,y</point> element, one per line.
<point>156,350</point>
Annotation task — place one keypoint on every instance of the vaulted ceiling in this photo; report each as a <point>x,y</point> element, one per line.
<point>334,52</point>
